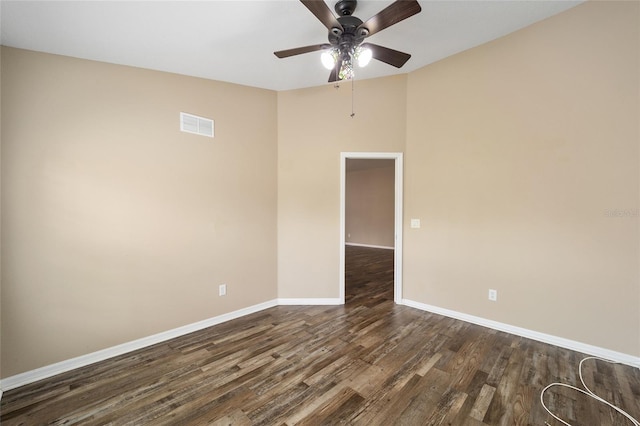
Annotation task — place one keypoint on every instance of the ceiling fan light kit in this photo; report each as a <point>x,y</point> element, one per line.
<point>329,58</point>
<point>347,34</point>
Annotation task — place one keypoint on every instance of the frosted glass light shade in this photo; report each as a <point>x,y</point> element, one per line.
<point>364,57</point>
<point>328,59</point>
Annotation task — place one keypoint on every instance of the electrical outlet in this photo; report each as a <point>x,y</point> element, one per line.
<point>493,295</point>
<point>222,290</point>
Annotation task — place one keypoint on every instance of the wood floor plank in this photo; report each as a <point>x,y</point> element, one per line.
<point>473,392</point>
<point>334,410</point>
<point>481,404</point>
<point>321,399</point>
<point>369,362</point>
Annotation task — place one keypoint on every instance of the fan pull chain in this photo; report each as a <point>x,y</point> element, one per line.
<point>353,81</point>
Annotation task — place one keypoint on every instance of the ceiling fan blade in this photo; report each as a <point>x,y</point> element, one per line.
<point>321,11</point>
<point>392,14</point>
<point>333,77</point>
<point>301,50</point>
<point>388,56</point>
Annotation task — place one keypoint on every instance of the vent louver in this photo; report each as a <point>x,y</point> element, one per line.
<point>198,125</point>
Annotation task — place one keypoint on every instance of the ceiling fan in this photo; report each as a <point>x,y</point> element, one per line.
<point>347,34</point>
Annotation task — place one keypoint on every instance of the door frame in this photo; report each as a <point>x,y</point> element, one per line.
<point>397,252</point>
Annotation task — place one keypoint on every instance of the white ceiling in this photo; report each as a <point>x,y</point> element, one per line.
<point>234,41</point>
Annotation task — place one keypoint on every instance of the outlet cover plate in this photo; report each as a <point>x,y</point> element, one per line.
<point>493,295</point>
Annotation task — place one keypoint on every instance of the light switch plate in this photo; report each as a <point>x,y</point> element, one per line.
<point>415,223</point>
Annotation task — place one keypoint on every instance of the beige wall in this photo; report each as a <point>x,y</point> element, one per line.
<point>314,126</point>
<point>116,225</point>
<point>370,203</point>
<point>1,214</point>
<point>515,153</point>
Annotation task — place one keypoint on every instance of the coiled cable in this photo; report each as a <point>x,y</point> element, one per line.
<point>587,392</point>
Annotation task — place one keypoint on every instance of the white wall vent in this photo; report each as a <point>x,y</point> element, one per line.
<point>193,124</point>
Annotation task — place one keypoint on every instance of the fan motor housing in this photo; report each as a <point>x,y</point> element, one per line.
<point>350,35</point>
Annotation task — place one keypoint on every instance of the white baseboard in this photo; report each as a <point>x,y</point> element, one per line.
<point>25,378</point>
<point>369,245</point>
<point>313,301</point>
<point>530,334</point>
<point>84,360</point>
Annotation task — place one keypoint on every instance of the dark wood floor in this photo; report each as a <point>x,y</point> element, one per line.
<point>368,362</point>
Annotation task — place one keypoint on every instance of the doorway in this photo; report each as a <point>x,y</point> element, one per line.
<point>397,228</point>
